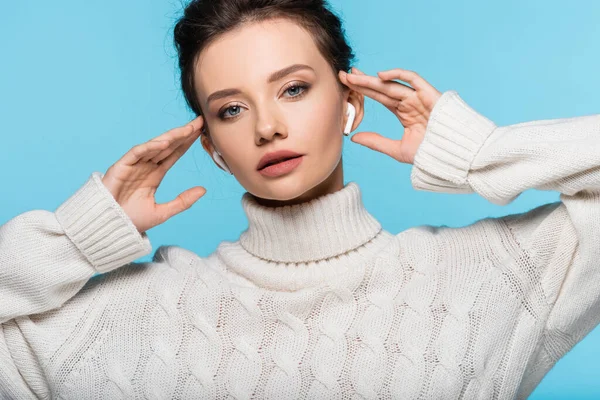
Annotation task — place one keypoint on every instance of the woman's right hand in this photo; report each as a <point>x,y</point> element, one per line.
<point>134,179</point>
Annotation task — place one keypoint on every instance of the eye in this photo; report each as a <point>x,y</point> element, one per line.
<point>296,89</point>
<point>234,108</point>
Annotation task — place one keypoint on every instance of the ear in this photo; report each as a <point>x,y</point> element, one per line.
<point>207,144</point>
<point>209,147</point>
<point>358,101</point>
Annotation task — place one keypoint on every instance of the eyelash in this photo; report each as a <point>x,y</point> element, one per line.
<point>303,86</point>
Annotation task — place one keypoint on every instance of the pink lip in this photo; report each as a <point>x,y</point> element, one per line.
<point>276,155</point>
<point>281,168</point>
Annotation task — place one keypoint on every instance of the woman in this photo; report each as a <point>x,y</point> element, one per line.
<point>315,300</point>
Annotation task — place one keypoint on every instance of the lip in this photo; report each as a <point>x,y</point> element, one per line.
<point>282,168</point>
<point>276,155</point>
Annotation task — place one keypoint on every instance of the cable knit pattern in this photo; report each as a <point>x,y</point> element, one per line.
<point>316,300</point>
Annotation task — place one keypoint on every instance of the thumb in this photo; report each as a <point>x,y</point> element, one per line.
<point>184,201</point>
<point>377,142</point>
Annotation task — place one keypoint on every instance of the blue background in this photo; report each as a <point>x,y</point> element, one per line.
<point>83,82</point>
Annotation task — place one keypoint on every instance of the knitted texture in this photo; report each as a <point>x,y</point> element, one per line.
<point>316,300</point>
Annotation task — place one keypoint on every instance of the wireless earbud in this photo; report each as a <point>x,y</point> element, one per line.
<point>219,160</point>
<point>351,113</point>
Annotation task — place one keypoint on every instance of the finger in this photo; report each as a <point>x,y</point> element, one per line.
<point>138,152</point>
<point>184,201</point>
<point>377,142</point>
<point>405,75</point>
<point>185,142</point>
<point>167,162</point>
<point>152,153</point>
<point>177,141</point>
<point>375,95</point>
<point>141,151</point>
<point>173,142</point>
<point>180,131</point>
<point>177,135</point>
<point>393,89</point>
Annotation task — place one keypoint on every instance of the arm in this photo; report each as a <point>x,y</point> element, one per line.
<point>46,258</point>
<point>463,152</point>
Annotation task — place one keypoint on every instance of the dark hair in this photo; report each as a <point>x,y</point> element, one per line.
<point>204,20</point>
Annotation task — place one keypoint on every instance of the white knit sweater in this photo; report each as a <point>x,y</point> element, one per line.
<point>315,300</point>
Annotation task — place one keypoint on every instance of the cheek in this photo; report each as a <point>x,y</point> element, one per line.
<point>325,131</point>
<point>321,116</point>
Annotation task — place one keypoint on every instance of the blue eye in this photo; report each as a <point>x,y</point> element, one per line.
<point>222,113</point>
<point>297,86</point>
<point>298,90</point>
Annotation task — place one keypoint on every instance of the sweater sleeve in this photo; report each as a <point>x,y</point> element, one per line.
<point>464,152</point>
<point>46,258</point>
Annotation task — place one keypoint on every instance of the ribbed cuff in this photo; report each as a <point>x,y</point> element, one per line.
<point>455,133</point>
<point>99,227</point>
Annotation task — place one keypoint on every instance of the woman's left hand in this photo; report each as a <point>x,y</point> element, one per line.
<point>412,106</point>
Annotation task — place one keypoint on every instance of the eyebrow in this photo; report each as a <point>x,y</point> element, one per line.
<point>275,76</point>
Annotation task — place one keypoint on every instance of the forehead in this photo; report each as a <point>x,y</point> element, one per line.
<point>251,52</point>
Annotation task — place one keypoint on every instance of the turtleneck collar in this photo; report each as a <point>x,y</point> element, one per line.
<point>321,228</point>
<point>330,241</point>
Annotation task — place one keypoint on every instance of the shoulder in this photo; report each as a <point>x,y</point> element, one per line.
<point>170,263</point>
<point>489,239</point>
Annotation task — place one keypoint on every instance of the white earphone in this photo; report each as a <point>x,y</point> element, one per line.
<point>350,112</point>
<point>219,160</point>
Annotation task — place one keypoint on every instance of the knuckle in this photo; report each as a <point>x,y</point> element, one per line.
<point>185,204</point>
<point>138,148</point>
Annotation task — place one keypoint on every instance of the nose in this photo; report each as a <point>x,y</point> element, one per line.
<point>268,124</point>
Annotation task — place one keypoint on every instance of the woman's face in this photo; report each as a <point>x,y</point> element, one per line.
<point>302,111</point>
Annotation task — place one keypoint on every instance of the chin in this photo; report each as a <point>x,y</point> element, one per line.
<point>283,189</point>
<point>293,188</point>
